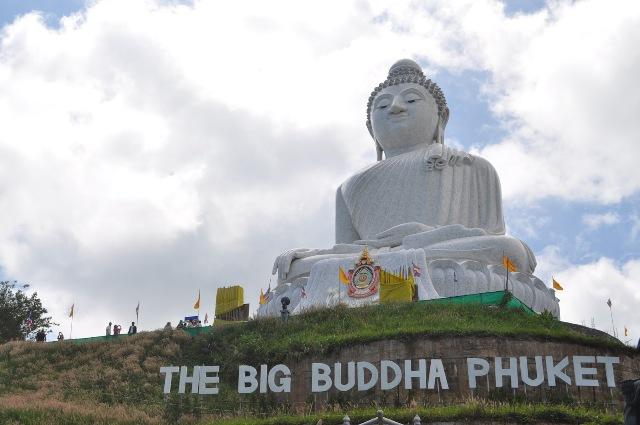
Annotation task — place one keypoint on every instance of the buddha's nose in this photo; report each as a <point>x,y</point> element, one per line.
<point>397,105</point>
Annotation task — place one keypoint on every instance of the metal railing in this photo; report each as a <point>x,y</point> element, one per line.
<point>381,420</point>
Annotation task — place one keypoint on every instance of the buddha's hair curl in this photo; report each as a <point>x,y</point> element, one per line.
<point>408,71</point>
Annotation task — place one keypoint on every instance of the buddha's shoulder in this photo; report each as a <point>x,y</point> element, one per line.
<point>385,172</point>
<point>482,164</point>
<point>414,162</point>
<point>354,179</point>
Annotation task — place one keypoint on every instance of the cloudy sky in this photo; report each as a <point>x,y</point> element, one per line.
<point>152,148</point>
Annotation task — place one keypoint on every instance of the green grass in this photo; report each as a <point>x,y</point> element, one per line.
<point>320,332</point>
<point>35,416</point>
<point>469,412</point>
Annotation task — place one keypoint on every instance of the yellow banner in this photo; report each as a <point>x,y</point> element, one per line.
<point>396,288</point>
<point>229,298</point>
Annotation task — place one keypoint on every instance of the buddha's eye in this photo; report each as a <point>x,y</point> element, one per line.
<point>382,106</point>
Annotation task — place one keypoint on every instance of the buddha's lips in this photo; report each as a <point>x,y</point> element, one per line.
<point>399,117</point>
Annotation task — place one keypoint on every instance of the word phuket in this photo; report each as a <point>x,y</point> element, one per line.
<point>425,374</point>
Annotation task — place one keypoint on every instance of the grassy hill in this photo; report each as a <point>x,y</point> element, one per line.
<point>118,381</point>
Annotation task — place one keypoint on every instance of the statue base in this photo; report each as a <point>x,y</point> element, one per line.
<point>352,281</point>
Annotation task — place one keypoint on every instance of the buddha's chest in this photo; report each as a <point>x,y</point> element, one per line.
<point>397,193</point>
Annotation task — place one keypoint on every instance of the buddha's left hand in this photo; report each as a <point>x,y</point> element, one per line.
<point>393,236</point>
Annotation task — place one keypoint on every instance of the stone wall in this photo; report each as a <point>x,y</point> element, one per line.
<point>454,351</point>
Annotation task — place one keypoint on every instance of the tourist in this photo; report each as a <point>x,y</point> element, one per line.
<point>109,329</point>
<point>181,325</point>
<point>167,327</point>
<point>116,330</point>
<point>60,336</point>
<point>133,329</point>
<point>41,336</point>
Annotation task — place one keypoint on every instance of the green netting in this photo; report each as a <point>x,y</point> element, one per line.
<point>486,298</point>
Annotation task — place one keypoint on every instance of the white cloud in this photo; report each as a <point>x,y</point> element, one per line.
<point>148,149</point>
<point>587,287</point>
<point>594,221</point>
<point>570,92</point>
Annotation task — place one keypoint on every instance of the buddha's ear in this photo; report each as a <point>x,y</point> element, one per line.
<point>378,151</point>
<point>442,123</point>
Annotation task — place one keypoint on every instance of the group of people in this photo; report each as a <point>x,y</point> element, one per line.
<point>41,336</point>
<point>133,329</point>
<point>183,324</point>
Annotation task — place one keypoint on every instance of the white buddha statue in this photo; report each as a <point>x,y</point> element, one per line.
<point>422,195</point>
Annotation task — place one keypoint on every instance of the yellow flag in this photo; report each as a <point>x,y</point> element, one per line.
<point>394,288</point>
<point>263,300</point>
<point>343,277</point>
<point>196,306</point>
<point>626,331</point>
<point>508,264</point>
<point>556,285</point>
<point>71,310</point>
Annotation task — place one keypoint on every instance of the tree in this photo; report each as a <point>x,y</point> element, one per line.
<point>16,307</point>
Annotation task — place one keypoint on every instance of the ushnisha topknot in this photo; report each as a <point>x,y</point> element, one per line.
<point>408,71</point>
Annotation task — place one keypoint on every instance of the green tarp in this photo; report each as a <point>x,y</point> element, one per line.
<point>486,298</point>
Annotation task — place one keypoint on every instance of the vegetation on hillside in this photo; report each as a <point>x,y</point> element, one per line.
<point>471,412</point>
<point>20,314</point>
<point>119,380</point>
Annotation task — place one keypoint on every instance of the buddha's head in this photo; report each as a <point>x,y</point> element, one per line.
<point>406,111</point>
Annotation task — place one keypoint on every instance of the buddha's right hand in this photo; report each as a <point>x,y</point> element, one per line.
<point>282,264</point>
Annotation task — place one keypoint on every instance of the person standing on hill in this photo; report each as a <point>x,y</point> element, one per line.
<point>41,336</point>
<point>109,329</point>
<point>133,329</point>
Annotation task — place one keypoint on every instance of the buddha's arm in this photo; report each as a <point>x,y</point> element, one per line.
<point>345,232</point>
<point>284,262</point>
<point>425,235</point>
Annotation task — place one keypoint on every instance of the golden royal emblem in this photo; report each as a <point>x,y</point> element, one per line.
<point>364,278</point>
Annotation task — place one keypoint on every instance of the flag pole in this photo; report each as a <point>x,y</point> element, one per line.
<point>455,284</point>
<point>72,313</point>
<point>612,324</point>
<point>507,289</point>
<point>339,291</point>
<point>506,283</point>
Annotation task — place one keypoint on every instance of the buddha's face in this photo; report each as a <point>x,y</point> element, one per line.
<point>404,116</point>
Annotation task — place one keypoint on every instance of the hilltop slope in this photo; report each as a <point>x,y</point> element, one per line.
<point>118,381</point>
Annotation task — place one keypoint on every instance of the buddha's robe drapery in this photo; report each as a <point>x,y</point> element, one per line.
<point>435,186</point>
